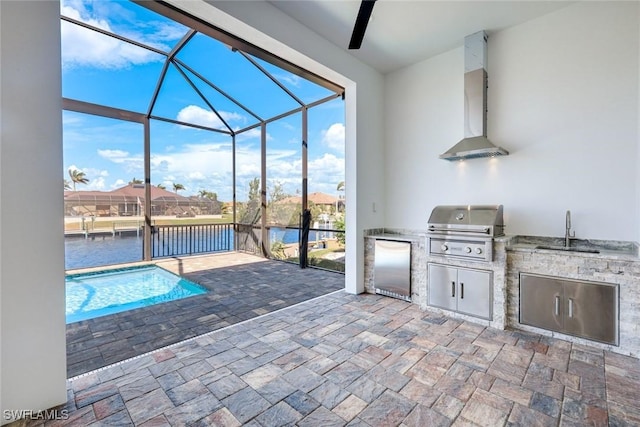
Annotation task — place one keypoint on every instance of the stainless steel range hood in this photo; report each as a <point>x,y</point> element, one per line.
<point>475,143</point>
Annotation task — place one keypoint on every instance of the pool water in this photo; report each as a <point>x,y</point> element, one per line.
<point>96,294</point>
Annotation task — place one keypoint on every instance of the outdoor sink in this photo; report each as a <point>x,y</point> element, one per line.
<point>569,249</point>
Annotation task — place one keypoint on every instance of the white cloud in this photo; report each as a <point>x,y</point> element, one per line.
<point>292,79</point>
<point>208,166</point>
<point>255,133</point>
<point>288,126</point>
<point>328,163</point>
<point>96,178</point>
<point>194,166</point>
<point>334,137</point>
<point>196,176</point>
<point>274,156</point>
<point>84,47</point>
<point>166,31</point>
<point>119,183</point>
<point>70,119</point>
<point>95,173</point>
<point>248,170</point>
<point>325,173</point>
<point>95,184</point>
<point>74,167</point>
<point>116,156</point>
<point>133,164</point>
<point>199,116</point>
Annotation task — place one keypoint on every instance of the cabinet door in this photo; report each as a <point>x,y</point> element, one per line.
<point>591,311</point>
<point>474,293</point>
<point>541,302</point>
<point>442,286</point>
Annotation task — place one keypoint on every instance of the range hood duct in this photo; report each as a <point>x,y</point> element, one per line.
<point>475,143</point>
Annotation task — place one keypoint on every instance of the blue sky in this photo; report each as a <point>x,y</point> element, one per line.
<point>103,70</point>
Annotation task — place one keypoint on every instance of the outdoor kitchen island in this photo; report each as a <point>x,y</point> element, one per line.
<point>420,261</point>
<point>617,263</point>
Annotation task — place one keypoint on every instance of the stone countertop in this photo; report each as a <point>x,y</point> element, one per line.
<point>397,237</point>
<point>608,249</point>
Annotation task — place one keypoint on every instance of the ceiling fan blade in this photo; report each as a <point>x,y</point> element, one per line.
<point>366,7</point>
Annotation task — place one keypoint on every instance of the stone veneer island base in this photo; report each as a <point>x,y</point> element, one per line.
<point>616,263</point>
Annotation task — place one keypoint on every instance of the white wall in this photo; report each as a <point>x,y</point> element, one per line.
<point>264,25</point>
<point>563,99</point>
<point>32,295</point>
<point>638,150</point>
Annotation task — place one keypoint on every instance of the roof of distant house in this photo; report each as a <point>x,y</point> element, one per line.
<point>137,190</point>
<point>322,198</point>
<point>317,198</point>
<point>128,192</point>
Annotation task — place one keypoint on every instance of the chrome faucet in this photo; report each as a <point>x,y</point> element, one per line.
<point>567,235</point>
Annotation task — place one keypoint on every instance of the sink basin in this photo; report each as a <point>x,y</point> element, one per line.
<point>569,249</point>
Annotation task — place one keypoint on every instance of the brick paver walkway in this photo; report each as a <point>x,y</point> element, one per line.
<point>362,360</point>
<point>242,286</point>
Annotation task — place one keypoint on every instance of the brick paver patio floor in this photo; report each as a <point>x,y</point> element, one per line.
<point>241,286</point>
<point>362,360</point>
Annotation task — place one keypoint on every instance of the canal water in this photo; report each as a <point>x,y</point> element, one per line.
<point>108,250</point>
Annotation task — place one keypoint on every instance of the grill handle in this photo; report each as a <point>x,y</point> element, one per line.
<point>485,230</point>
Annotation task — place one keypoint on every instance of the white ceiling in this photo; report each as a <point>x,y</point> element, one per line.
<point>403,32</point>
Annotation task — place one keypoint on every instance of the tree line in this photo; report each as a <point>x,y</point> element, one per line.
<point>76,176</point>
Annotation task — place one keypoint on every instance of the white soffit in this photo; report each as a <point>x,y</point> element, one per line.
<point>403,32</point>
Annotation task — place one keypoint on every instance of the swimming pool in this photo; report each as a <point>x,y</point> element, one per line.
<point>106,292</point>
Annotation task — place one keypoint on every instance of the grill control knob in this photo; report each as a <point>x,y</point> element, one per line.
<point>467,250</point>
<point>444,248</point>
<point>478,251</point>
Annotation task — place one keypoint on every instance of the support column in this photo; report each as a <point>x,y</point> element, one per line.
<point>305,158</point>
<point>233,183</point>
<point>32,285</point>
<point>303,244</point>
<point>146,244</point>
<point>264,239</point>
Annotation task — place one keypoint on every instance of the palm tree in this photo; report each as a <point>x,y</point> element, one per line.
<point>161,186</point>
<point>206,194</point>
<point>339,188</point>
<point>67,184</point>
<point>77,176</point>
<point>177,187</point>
<point>135,181</point>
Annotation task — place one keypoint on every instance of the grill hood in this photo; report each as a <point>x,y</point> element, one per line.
<point>459,219</point>
<point>475,143</point>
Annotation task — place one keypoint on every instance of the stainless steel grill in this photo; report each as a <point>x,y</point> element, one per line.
<point>465,232</point>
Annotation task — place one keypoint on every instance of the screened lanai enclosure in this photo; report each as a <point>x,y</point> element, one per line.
<point>180,139</point>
